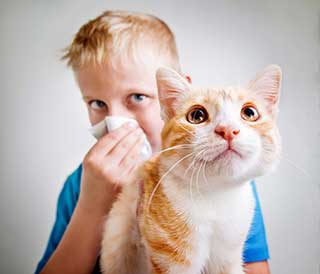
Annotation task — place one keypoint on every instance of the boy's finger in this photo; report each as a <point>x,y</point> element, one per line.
<point>107,142</point>
<point>123,148</point>
<point>133,157</point>
<point>130,162</point>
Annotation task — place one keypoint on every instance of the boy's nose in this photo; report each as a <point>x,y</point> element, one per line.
<point>120,111</point>
<point>227,132</point>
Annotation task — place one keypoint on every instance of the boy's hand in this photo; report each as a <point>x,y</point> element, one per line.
<point>108,165</point>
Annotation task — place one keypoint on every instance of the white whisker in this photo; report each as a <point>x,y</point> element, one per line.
<point>190,186</point>
<point>176,147</point>
<point>197,181</point>
<point>164,175</point>
<point>192,164</point>
<point>187,169</point>
<point>303,171</point>
<point>204,172</point>
<point>191,180</point>
<point>187,130</point>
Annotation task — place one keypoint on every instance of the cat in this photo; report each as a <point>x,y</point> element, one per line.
<point>190,207</point>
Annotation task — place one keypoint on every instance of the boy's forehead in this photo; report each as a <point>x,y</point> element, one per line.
<point>117,75</point>
<point>121,66</point>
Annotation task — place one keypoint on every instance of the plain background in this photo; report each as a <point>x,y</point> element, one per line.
<point>44,124</point>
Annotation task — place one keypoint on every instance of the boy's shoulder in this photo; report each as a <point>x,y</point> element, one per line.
<point>67,201</point>
<point>74,177</point>
<point>69,194</point>
<point>73,180</point>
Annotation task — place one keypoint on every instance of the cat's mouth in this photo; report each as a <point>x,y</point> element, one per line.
<point>228,152</point>
<point>212,155</point>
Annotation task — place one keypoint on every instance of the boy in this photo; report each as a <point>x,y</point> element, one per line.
<point>114,58</point>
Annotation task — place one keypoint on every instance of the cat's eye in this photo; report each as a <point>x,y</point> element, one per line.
<point>250,113</point>
<point>197,115</point>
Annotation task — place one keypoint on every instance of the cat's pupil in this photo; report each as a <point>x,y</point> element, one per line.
<point>198,115</point>
<point>249,112</point>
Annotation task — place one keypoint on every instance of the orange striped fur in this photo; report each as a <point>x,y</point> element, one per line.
<point>161,225</point>
<point>196,191</point>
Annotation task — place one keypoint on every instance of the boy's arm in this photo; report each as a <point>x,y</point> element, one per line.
<point>79,247</point>
<point>108,165</point>
<point>257,268</point>
<point>66,208</point>
<point>67,200</point>
<point>256,251</point>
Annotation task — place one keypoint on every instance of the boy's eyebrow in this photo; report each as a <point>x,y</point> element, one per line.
<point>141,90</point>
<point>86,97</point>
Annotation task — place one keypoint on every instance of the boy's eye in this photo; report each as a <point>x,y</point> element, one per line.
<point>97,104</point>
<point>138,97</point>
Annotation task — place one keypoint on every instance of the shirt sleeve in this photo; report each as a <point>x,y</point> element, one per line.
<point>256,247</point>
<point>66,203</point>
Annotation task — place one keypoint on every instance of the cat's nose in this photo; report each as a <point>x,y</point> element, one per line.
<point>227,132</point>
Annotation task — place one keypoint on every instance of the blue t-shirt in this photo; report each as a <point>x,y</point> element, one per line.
<point>256,248</point>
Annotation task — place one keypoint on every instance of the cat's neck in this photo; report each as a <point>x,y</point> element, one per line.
<point>195,187</point>
<point>189,175</point>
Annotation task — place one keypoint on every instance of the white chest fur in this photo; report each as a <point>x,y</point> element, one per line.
<point>220,221</point>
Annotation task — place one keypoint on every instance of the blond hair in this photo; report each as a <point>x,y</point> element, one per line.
<point>121,33</point>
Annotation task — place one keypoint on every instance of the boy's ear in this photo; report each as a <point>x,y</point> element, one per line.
<point>171,88</point>
<point>188,77</point>
<point>266,86</point>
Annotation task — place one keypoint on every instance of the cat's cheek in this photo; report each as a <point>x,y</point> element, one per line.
<point>272,150</point>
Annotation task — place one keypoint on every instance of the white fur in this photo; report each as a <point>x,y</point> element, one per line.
<point>220,220</point>
<point>211,193</point>
<point>122,251</point>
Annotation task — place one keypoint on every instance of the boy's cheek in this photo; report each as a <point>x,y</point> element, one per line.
<point>154,134</point>
<point>95,117</point>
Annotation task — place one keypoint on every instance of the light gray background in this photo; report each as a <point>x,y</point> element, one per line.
<point>44,124</point>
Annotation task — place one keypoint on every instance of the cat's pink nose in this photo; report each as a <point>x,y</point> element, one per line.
<point>227,132</point>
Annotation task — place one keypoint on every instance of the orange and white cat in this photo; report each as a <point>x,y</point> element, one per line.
<point>190,209</point>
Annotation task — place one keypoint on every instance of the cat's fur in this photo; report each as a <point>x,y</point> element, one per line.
<point>190,209</point>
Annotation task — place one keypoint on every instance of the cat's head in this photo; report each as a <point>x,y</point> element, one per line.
<point>231,132</point>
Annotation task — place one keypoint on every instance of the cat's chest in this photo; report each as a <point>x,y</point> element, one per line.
<point>221,216</point>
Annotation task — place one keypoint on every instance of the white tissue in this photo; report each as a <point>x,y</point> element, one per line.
<point>112,122</point>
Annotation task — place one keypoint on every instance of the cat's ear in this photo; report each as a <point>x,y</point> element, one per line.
<point>171,89</point>
<point>266,86</point>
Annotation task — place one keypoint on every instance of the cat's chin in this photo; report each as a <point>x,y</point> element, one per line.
<point>229,165</point>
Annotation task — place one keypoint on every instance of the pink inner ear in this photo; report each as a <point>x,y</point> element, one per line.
<point>169,105</point>
<point>267,85</point>
<point>171,86</point>
<point>188,79</point>
<point>272,99</point>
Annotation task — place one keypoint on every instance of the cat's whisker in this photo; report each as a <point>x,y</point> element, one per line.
<point>203,168</point>
<point>303,171</point>
<point>205,163</point>
<point>176,147</point>
<point>191,181</point>
<point>197,182</point>
<point>191,165</point>
<point>204,173</point>
<point>190,186</point>
<point>164,175</point>
<point>187,169</point>
<point>187,130</point>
